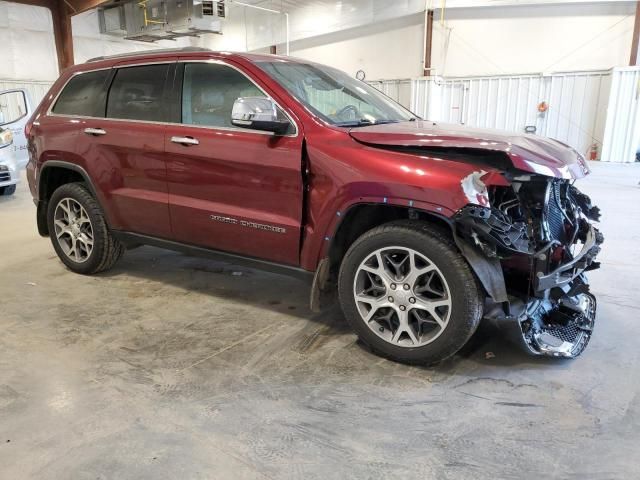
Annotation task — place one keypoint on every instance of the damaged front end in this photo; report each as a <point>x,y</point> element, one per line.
<point>530,240</point>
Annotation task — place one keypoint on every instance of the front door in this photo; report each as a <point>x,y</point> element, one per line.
<point>230,188</point>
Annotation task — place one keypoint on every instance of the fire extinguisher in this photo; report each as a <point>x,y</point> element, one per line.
<point>593,153</point>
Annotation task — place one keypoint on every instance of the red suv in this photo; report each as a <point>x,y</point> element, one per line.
<point>422,229</point>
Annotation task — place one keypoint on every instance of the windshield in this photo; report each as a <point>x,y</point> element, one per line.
<point>334,96</point>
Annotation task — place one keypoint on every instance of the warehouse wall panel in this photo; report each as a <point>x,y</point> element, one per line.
<point>576,104</point>
<point>397,89</point>
<point>622,131</point>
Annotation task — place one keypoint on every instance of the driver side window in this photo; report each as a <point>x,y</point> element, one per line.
<point>209,91</point>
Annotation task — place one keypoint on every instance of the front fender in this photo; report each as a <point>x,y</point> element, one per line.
<point>319,236</point>
<point>343,173</point>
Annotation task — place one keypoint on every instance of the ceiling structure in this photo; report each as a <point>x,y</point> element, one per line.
<point>289,5</point>
<point>308,17</point>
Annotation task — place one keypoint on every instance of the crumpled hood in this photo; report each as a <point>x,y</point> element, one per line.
<point>529,153</point>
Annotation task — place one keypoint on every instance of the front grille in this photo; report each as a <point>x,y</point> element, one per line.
<point>5,176</point>
<point>568,333</point>
<point>554,215</point>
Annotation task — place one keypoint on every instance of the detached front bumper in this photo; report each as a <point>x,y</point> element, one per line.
<point>546,327</point>
<point>567,272</point>
<point>531,249</point>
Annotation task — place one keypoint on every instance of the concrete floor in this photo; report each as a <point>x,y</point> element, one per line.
<point>177,367</point>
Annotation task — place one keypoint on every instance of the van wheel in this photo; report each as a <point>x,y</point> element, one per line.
<point>408,293</point>
<point>78,231</point>
<point>8,190</point>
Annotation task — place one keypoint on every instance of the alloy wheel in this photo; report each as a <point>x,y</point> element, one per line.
<point>402,296</point>
<point>73,230</point>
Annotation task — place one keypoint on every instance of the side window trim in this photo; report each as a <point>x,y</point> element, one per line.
<point>105,91</point>
<point>174,95</point>
<point>172,92</point>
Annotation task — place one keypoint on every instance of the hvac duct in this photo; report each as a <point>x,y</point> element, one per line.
<point>153,20</point>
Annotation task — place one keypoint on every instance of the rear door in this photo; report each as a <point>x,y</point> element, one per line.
<point>15,111</point>
<point>230,188</point>
<point>124,148</point>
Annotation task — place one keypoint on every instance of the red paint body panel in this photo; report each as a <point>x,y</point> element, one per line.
<point>128,166</point>
<point>49,138</point>
<point>241,175</point>
<point>147,184</point>
<point>529,153</point>
<point>344,173</point>
<point>56,144</point>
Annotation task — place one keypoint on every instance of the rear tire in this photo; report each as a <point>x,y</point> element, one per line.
<point>408,293</point>
<point>79,232</point>
<point>8,190</point>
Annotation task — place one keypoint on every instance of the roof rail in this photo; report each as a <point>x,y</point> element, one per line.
<point>149,52</point>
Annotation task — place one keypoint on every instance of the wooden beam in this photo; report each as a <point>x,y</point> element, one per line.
<point>428,42</point>
<point>633,61</point>
<point>62,34</point>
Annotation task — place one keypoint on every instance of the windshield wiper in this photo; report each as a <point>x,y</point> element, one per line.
<point>364,122</point>
<point>382,122</point>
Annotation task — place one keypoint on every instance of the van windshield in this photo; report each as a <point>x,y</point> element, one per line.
<point>334,96</point>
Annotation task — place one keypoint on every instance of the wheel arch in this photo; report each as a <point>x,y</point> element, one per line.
<point>52,175</point>
<point>361,217</point>
<point>352,222</point>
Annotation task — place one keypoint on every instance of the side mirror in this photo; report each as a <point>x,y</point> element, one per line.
<point>258,113</point>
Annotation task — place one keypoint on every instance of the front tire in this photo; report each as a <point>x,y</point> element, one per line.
<point>79,232</point>
<point>408,293</point>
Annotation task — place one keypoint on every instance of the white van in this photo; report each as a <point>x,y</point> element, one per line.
<point>15,110</point>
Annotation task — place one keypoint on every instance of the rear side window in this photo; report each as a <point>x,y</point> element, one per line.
<point>83,95</point>
<point>136,93</point>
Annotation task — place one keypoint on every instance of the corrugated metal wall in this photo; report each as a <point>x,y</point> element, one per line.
<point>399,90</point>
<point>622,131</point>
<point>576,101</point>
